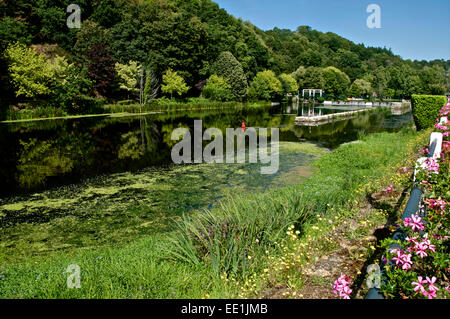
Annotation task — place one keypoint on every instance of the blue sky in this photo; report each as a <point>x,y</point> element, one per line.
<point>413,29</point>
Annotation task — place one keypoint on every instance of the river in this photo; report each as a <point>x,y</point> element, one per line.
<point>88,182</point>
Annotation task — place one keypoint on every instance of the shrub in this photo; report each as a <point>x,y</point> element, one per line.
<point>218,89</point>
<point>228,67</point>
<point>426,109</point>
<point>173,83</point>
<point>265,86</point>
<point>289,84</point>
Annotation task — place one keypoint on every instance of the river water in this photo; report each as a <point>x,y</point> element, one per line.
<point>92,181</point>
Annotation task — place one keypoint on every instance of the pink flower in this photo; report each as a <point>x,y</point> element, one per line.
<point>431,283</point>
<point>402,259</point>
<point>398,259</point>
<point>419,284</point>
<point>441,127</point>
<point>407,263</point>
<point>411,240</point>
<point>415,223</point>
<point>422,247</point>
<point>439,237</point>
<point>342,287</point>
<point>437,204</point>
<point>421,250</point>
<point>432,289</point>
<point>432,165</point>
<point>427,244</point>
<point>389,189</point>
<point>431,294</point>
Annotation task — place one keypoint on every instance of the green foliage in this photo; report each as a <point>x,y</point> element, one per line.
<point>198,39</point>
<point>12,31</point>
<point>350,63</point>
<point>30,73</point>
<point>289,84</point>
<point>217,88</point>
<point>173,84</point>
<point>404,80</point>
<point>88,36</point>
<point>128,75</point>
<point>426,109</point>
<point>433,80</point>
<point>336,81</point>
<point>360,87</point>
<point>228,67</point>
<point>310,78</point>
<point>379,82</point>
<point>265,86</point>
<point>70,86</point>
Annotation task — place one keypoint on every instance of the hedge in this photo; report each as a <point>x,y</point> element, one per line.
<point>426,109</point>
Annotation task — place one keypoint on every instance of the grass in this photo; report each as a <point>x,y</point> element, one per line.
<point>134,271</point>
<point>242,230</point>
<point>36,112</point>
<point>306,263</point>
<point>149,268</point>
<point>193,104</point>
<point>131,109</point>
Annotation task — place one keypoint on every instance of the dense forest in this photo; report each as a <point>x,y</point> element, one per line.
<point>146,49</point>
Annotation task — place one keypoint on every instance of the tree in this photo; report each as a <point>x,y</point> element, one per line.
<point>360,87</point>
<point>433,80</point>
<point>288,83</point>
<point>349,62</point>
<point>336,82</point>
<point>106,12</point>
<point>217,88</point>
<point>379,80</point>
<point>311,78</point>
<point>265,86</point>
<point>12,31</point>
<point>70,85</point>
<point>30,72</point>
<point>298,75</point>
<point>404,80</point>
<point>88,36</point>
<point>128,75</point>
<point>173,83</point>
<point>128,42</point>
<point>311,58</point>
<point>228,67</point>
<point>150,90</point>
<point>101,68</point>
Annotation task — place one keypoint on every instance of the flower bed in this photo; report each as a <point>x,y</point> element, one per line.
<point>419,265</point>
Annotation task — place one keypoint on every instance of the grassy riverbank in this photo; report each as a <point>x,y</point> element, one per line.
<point>125,108</point>
<point>236,238</point>
<point>343,240</point>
